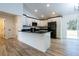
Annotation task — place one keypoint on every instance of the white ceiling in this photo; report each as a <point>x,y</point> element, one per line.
<point>58,8</point>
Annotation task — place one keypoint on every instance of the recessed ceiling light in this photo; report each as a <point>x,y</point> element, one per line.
<point>48,5</point>
<point>42,16</point>
<point>35,10</point>
<point>53,13</point>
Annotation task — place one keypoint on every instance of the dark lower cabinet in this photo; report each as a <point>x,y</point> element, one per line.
<point>52,27</point>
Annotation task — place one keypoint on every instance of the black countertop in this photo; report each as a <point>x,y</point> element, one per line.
<point>35,30</point>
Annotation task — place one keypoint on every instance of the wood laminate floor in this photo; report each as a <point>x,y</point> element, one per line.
<point>59,47</point>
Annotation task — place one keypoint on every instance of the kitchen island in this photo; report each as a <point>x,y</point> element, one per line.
<point>40,41</point>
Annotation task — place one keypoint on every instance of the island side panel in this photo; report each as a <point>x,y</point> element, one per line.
<point>40,41</point>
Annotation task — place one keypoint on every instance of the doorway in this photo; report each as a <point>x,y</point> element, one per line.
<point>1,27</point>
<point>72,29</point>
<point>2,40</point>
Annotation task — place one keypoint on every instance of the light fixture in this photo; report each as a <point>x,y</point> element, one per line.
<point>42,16</point>
<point>48,5</point>
<point>35,10</point>
<point>53,13</point>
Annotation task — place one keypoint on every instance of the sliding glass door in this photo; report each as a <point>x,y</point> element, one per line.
<point>70,26</point>
<point>72,29</point>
